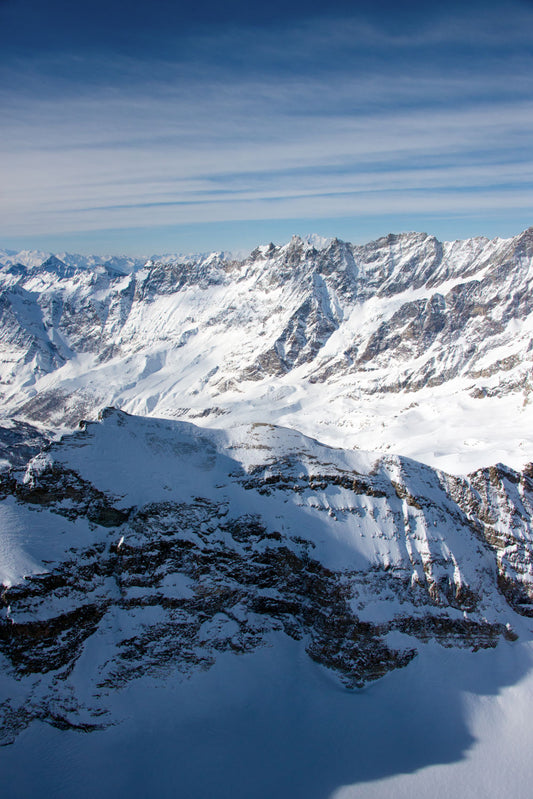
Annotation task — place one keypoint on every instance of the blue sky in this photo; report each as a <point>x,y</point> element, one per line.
<point>180,126</point>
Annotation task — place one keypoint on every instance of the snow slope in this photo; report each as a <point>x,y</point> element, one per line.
<point>271,725</point>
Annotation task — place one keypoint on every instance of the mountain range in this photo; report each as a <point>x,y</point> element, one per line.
<point>250,504</point>
<point>405,344</point>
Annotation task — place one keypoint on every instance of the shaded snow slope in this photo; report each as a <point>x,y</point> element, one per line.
<point>405,344</point>
<point>270,725</point>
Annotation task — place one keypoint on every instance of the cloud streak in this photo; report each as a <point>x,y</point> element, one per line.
<point>166,142</point>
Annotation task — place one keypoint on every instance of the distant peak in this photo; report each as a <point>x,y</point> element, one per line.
<point>317,241</point>
<point>264,251</point>
<point>52,260</point>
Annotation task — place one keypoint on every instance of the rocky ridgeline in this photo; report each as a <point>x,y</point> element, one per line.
<point>398,314</point>
<point>163,587</point>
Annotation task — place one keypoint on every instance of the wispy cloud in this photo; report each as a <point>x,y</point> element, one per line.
<point>363,129</point>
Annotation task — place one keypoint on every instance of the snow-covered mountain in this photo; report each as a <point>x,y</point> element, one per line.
<point>150,546</point>
<point>34,259</point>
<point>236,580</point>
<point>405,344</point>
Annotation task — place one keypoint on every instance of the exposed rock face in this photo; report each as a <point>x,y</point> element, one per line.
<point>234,541</point>
<point>19,442</point>
<point>499,501</point>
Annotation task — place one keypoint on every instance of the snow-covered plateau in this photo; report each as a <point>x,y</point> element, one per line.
<point>266,522</point>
